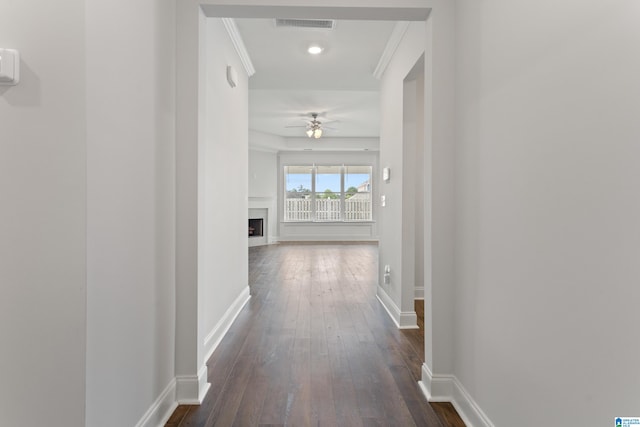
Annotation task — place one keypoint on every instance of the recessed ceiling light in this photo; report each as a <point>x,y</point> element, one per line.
<point>314,49</point>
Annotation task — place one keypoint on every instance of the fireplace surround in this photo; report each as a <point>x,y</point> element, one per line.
<point>256,227</point>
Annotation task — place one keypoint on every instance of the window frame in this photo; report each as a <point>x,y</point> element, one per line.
<point>343,168</point>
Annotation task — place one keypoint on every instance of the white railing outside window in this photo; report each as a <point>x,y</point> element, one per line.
<point>297,210</point>
<point>357,209</point>
<point>327,210</point>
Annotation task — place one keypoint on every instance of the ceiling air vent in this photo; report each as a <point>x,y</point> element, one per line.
<point>327,24</point>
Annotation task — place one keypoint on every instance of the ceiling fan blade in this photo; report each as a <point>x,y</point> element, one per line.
<point>296,126</point>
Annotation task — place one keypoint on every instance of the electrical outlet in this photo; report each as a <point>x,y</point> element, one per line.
<point>387,275</point>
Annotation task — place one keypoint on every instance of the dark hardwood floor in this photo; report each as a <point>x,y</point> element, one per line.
<point>314,347</point>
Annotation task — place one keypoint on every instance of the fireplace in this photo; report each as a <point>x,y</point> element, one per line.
<point>259,228</point>
<point>256,227</point>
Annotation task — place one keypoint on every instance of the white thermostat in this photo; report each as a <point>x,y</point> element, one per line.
<point>9,67</point>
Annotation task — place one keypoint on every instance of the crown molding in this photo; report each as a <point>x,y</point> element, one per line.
<point>236,39</point>
<point>390,49</point>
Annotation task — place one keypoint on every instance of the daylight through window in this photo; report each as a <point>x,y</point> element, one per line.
<point>327,193</point>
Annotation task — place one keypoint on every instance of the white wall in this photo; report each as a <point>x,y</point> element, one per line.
<point>223,188</point>
<point>547,210</point>
<point>410,177</point>
<point>263,174</point>
<point>434,101</point>
<point>396,219</point>
<point>87,235</point>
<point>211,194</point>
<point>130,208</point>
<point>420,183</point>
<point>190,53</point>
<point>439,198</point>
<point>42,217</point>
<point>414,183</point>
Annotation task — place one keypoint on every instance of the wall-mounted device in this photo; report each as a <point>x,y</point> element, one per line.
<point>386,174</point>
<point>232,76</point>
<point>9,67</point>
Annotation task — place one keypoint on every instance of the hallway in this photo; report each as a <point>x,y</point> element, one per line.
<point>313,347</point>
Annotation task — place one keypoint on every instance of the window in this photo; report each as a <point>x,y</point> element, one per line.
<point>297,200</point>
<point>327,193</point>
<point>357,182</point>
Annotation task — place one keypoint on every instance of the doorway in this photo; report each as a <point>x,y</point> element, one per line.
<point>198,283</point>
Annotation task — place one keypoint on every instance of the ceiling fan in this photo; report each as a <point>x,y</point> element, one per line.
<point>314,127</point>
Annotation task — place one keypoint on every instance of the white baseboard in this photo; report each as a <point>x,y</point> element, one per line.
<point>191,389</point>
<point>328,238</point>
<point>402,319</point>
<point>418,292</point>
<point>213,338</point>
<point>158,414</point>
<point>447,388</point>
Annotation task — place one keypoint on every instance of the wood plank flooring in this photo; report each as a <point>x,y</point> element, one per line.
<point>314,347</point>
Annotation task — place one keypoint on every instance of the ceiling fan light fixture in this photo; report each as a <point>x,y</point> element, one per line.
<point>314,127</point>
<point>314,132</point>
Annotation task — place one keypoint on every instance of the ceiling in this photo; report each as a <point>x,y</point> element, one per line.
<point>339,84</point>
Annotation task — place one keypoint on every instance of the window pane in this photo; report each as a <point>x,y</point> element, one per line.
<point>297,203</point>
<point>357,184</point>
<point>328,193</point>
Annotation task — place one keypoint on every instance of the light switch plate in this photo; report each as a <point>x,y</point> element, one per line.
<point>9,67</point>
<point>386,174</point>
